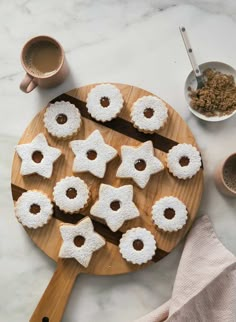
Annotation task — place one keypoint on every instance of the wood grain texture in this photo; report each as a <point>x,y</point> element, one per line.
<point>108,261</point>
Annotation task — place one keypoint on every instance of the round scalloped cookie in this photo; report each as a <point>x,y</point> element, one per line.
<point>71,194</point>
<point>137,245</point>
<point>169,214</point>
<point>33,209</point>
<point>62,120</point>
<point>149,114</point>
<point>104,102</point>
<point>183,161</point>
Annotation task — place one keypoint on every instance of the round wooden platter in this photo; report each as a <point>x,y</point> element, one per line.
<point>120,131</point>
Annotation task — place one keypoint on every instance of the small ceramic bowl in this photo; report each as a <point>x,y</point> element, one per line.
<point>191,82</point>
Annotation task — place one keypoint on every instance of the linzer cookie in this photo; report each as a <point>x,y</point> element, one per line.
<point>37,157</point>
<point>80,241</point>
<point>71,194</point>
<point>139,163</point>
<point>104,102</point>
<point>137,245</point>
<point>33,209</point>
<point>169,214</point>
<point>62,120</point>
<point>92,154</point>
<point>115,205</point>
<point>149,114</point>
<point>183,161</point>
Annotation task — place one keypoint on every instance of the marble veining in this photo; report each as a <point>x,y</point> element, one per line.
<point>128,41</point>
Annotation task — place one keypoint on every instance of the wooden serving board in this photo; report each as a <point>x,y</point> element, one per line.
<point>120,131</point>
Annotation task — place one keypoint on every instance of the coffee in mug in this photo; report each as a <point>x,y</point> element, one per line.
<point>43,59</point>
<point>226,176</point>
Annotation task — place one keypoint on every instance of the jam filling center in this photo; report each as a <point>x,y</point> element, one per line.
<point>115,205</point>
<point>37,156</point>
<point>148,112</point>
<point>79,241</point>
<point>91,154</point>
<point>138,244</point>
<point>61,118</point>
<point>169,213</point>
<point>104,101</point>
<point>140,165</point>
<point>71,193</point>
<point>184,161</point>
<point>35,209</point>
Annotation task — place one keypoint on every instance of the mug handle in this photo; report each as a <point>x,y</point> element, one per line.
<point>28,84</point>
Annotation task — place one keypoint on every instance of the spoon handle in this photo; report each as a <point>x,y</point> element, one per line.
<point>189,49</point>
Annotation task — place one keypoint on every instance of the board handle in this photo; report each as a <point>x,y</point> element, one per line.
<point>53,302</point>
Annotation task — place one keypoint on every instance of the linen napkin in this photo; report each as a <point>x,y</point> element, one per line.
<point>205,285</point>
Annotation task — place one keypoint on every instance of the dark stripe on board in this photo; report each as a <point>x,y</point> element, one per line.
<point>103,230</point>
<point>100,228</point>
<point>120,125</point>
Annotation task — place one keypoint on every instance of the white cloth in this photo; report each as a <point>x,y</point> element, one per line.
<point>205,285</point>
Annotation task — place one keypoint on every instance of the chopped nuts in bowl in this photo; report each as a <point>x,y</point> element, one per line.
<point>216,101</point>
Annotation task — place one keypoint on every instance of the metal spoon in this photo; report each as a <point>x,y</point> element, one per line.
<point>196,69</point>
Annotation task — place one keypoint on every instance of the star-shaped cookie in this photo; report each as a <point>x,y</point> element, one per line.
<point>92,154</point>
<point>115,205</point>
<point>37,157</point>
<point>139,163</point>
<point>80,241</point>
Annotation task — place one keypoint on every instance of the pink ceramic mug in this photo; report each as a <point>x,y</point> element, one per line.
<point>43,59</point>
<point>225,176</point>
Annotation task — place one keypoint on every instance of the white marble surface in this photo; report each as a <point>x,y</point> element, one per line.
<point>128,41</point>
